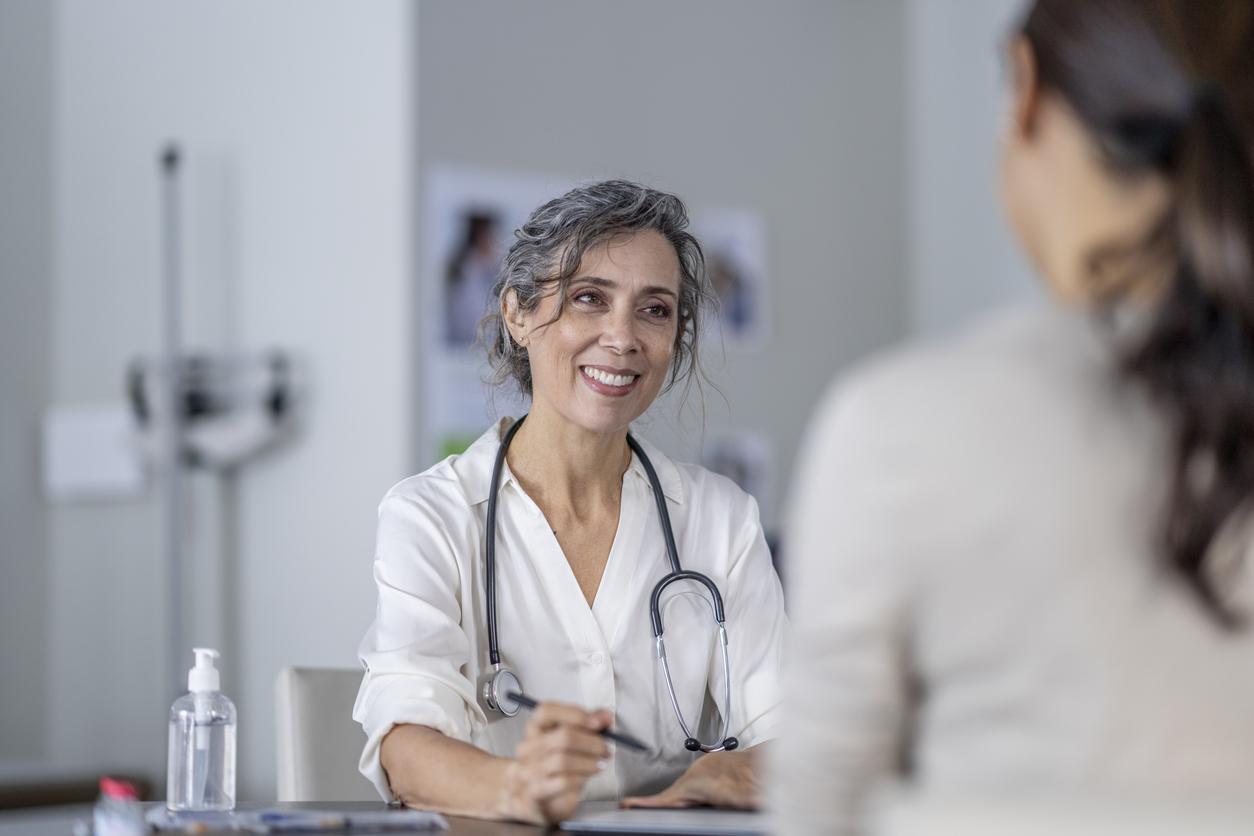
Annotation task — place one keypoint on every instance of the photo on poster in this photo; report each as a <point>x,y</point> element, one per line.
<point>470,271</point>
<point>734,241</point>
<point>469,218</point>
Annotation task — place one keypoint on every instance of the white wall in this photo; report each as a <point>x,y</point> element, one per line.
<point>864,131</point>
<point>25,269</point>
<point>794,108</point>
<point>963,258</point>
<point>295,119</point>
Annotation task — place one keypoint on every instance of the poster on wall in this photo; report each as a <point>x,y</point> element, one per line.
<point>745,457</point>
<point>734,241</point>
<point>469,217</point>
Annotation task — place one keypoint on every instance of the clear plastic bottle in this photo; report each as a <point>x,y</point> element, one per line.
<point>201,773</point>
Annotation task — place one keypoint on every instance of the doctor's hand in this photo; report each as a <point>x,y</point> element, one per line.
<point>559,752</point>
<point>717,779</point>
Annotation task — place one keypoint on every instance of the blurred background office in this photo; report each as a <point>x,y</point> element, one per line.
<point>849,142</point>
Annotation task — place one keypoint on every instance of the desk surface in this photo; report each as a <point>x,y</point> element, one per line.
<point>46,821</point>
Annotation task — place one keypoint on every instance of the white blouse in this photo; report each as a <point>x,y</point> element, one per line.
<point>428,647</point>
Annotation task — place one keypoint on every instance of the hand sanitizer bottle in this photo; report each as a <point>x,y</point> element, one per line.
<point>201,773</point>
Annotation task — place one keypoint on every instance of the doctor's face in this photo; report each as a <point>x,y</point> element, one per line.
<point>604,360</point>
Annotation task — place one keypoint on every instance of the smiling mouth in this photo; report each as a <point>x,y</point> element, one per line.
<point>608,382</point>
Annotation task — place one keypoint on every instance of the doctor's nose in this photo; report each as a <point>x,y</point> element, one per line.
<point>620,333</point>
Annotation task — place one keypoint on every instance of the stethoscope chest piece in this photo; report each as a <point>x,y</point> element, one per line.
<point>496,684</point>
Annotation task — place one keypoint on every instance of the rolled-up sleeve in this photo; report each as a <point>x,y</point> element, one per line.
<point>415,651</point>
<point>756,627</point>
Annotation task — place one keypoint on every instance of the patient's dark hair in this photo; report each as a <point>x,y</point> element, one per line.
<point>1167,86</point>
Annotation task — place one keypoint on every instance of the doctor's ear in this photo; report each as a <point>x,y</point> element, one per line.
<point>515,320</point>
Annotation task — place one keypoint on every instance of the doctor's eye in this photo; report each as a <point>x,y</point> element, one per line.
<point>587,297</point>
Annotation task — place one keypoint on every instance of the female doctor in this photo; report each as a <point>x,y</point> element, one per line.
<point>538,562</point>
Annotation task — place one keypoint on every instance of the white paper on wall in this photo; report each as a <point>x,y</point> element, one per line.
<point>90,453</point>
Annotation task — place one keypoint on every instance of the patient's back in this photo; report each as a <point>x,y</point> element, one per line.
<point>978,588</point>
<point>1052,641</point>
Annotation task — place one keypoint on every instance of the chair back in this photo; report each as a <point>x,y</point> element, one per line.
<point>319,743</point>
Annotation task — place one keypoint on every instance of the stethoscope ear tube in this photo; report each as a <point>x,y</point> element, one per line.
<point>691,743</point>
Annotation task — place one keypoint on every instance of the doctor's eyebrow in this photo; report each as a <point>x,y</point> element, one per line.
<point>651,290</point>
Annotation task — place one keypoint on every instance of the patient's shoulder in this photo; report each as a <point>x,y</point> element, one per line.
<point>1006,363</point>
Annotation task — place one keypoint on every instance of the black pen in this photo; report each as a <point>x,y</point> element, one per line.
<point>618,737</point>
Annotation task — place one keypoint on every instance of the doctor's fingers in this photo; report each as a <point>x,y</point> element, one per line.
<point>566,762</point>
<point>563,739</point>
<point>559,806</point>
<point>559,790</point>
<point>551,714</point>
<point>555,783</point>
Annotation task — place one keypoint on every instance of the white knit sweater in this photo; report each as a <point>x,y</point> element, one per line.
<point>975,591</point>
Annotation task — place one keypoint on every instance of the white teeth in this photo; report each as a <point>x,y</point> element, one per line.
<point>607,378</point>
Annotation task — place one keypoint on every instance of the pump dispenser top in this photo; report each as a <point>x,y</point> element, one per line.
<point>204,676</point>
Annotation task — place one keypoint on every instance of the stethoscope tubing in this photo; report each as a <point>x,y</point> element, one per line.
<point>494,653</point>
<point>678,573</point>
<point>659,499</point>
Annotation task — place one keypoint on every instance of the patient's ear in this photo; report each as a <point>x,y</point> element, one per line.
<point>1025,89</point>
<point>515,319</point>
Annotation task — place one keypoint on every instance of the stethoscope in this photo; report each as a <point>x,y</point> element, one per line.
<point>501,680</point>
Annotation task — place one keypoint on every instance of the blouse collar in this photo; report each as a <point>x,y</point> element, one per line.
<point>474,467</point>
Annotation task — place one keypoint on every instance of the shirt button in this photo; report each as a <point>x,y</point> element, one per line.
<point>596,659</point>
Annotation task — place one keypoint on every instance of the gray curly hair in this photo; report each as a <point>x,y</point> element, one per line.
<point>550,245</point>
